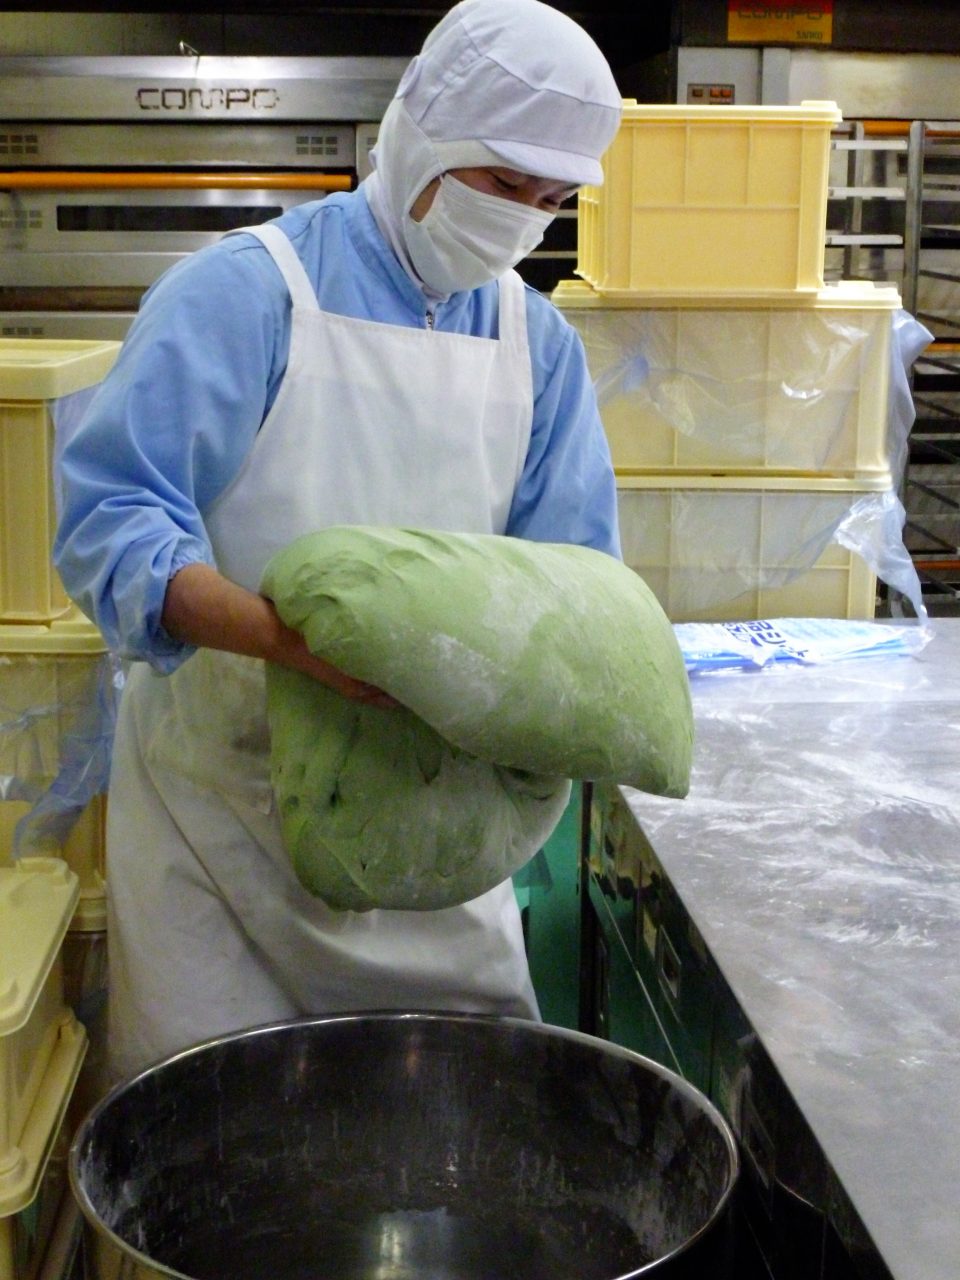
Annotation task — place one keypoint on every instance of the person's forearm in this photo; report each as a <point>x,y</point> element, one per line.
<point>205,609</point>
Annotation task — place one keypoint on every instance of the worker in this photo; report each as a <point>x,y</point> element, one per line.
<point>367,358</point>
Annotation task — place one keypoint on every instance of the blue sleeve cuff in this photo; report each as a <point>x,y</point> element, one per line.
<point>166,654</point>
<point>129,614</point>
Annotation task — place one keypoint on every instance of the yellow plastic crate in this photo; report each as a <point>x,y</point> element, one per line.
<point>38,1030</point>
<point>72,634</point>
<point>85,989</point>
<point>728,199</point>
<point>751,389</point>
<point>34,372</point>
<point>33,1195</point>
<point>50,675</point>
<point>728,548</point>
<point>84,852</point>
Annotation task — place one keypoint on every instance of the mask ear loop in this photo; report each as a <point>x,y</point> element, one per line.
<point>433,203</point>
<point>440,170</point>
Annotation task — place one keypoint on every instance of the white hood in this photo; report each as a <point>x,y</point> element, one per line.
<point>497,82</point>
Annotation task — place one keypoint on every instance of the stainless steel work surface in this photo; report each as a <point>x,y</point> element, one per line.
<point>818,853</point>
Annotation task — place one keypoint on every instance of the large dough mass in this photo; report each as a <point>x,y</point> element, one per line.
<point>519,665</point>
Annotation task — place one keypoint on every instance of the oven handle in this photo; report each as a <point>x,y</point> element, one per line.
<point>76,180</point>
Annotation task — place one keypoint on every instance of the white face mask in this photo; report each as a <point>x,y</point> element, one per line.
<point>467,238</point>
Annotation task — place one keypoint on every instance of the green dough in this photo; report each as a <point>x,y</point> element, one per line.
<point>378,810</point>
<point>518,665</point>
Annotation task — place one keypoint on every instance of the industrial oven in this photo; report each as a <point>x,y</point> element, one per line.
<point>112,169</point>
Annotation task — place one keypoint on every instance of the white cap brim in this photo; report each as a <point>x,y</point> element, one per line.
<point>548,162</point>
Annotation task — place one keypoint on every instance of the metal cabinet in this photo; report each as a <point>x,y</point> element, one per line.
<point>642,926</point>
<point>648,981</point>
<point>548,892</point>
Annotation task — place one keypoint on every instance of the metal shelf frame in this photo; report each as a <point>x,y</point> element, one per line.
<point>929,194</point>
<point>933,179</point>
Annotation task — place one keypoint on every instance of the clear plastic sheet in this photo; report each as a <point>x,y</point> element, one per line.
<point>710,647</point>
<point>873,529</point>
<point>726,542</point>
<point>908,340</point>
<point>57,720</point>
<point>823,809</point>
<point>785,390</point>
<point>817,856</point>
<point>723,553</point>
<point>57,712</point>
<point>752,388</point>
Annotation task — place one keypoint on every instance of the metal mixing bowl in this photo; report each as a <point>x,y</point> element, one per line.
<point>394,1146</point>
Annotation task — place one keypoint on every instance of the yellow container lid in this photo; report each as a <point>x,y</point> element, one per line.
<point>845,295</point>
<point>810,111</point>
<point>753,482</point>
<point>37,899</point>
<point>46,368</point>
<point>20,1179</point>
<point>71,633</point>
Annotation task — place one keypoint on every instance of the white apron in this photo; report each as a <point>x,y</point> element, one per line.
<point>209,929</point>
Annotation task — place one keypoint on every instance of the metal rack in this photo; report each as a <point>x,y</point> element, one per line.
<point>931,292</point>
<point>871,181</point>
<point>900,216</point>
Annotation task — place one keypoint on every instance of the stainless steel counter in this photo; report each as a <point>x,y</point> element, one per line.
<point>818,854</point>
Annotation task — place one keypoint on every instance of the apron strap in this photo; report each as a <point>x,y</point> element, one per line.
<point>278,245</point>
<point>513,312</point>
<point>512,308</point>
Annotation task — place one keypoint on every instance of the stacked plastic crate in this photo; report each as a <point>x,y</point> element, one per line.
<point>744,402</point>
<point>55,680</point>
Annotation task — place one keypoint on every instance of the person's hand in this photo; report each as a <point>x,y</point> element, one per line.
<point>346,686</point>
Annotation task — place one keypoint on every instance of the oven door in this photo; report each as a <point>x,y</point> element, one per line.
<point>80,248</point>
